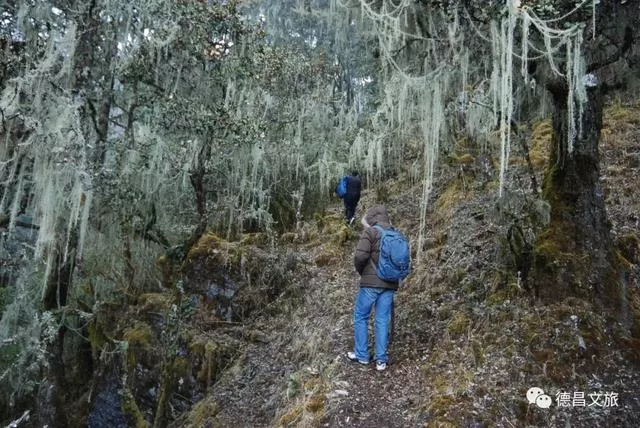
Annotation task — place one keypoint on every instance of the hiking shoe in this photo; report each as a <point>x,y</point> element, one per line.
<point>381,366</point>
<point>352,357</point>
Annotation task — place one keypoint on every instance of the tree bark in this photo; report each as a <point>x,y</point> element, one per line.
<point>573,257</point>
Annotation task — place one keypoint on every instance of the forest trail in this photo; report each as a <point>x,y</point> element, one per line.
<point>468,344</point>
<point>304,354</point>
<point>374,398</point>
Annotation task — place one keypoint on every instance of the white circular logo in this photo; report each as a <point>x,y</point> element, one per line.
<point>533,393</point>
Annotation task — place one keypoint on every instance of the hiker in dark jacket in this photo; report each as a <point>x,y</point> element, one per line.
<point>352,197</point>
<point>373,292</point>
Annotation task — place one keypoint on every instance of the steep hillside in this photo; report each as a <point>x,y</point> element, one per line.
<point>255,332</point>
<point>469,339</point>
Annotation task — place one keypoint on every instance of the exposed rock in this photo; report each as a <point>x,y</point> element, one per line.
<point>106,411</point>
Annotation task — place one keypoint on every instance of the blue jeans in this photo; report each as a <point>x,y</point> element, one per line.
<point>367,297</point>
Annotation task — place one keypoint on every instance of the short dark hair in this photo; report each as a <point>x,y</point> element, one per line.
<point>354,173</point>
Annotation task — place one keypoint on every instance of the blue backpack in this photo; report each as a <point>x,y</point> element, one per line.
<point>394,261</point>
<point>341,189</point>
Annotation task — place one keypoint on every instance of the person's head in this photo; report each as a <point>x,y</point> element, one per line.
<point>377,215</point>
<point>354,173</point>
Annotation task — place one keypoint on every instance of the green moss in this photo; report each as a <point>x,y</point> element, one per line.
<point>208,354</point>
<point>327,257</point>
<point>257,239</point>
<point>319,219</point>
<point>459,324</point>
<point>204,413</point>
<point>342,235</point>
<point>180,367</point>
<point>140,335</point>
<point>97,339</point>
<point>628,249</point>
<point>540,143</point>
<point>8,355</point>
<point>547,251</point>
<point>495,299</point>
<point>553,248</point>
<point>209,364</point>
<point>132,411</point>
<point>331,223</point>
<point>457,191</point>
<point>463,159</point>
<point>213,248</point>
<point>504,286</point>
<point>155,302</point>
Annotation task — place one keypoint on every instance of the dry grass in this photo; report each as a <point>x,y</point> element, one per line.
<point>456,192</point>
<point>203,414</point>
<point>540,144</point>
<point>306,392</point>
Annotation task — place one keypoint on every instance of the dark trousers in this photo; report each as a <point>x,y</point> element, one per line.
<point>350,203</point>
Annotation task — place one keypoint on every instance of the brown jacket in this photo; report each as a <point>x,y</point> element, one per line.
<point>367,251</point>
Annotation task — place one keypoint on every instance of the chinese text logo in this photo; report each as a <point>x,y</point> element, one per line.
<point>577,399</point>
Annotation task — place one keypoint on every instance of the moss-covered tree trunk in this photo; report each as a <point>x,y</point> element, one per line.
<point>93,83</point>
<point>573,256</point>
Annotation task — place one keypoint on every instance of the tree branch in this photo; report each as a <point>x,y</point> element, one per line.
<point>627,43</point>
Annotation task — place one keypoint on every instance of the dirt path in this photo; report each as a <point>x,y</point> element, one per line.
<point>317,334</point>
<point>384,399</point>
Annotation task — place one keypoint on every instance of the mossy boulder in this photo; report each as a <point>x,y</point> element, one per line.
<point>154,302</point>
<point>139,335</point>
<point>207,357</point>
<point>258,239</point>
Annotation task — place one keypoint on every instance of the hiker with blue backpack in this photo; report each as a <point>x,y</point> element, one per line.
<point>348,189</point>
<point>382,259</point>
